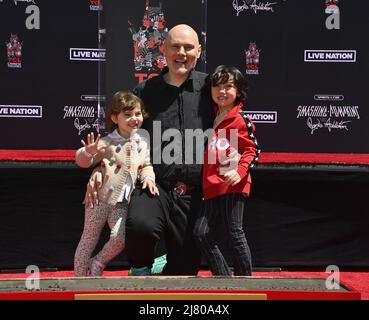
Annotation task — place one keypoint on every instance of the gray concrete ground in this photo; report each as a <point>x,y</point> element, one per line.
<point>168,283</point>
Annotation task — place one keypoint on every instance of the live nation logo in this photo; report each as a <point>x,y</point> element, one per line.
<point>330,55</point>
<point>252,57</point>
<point>328,113</point>
<point>14,51</point>
<point>20,111</point>
<point>262,116</point>
<point>85,54</point>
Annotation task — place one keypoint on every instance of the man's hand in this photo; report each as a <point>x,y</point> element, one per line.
<point>232,177</point>
<point>152,187</point>
<point>91,198</point>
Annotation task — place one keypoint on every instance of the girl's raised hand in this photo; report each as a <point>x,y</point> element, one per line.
<point>92,145</point>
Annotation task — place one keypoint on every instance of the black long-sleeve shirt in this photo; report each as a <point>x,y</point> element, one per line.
<point>171,111</point>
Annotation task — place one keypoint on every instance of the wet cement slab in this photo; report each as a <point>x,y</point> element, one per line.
<point>162,283</point>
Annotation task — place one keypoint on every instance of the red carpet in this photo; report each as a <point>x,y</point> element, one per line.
<point>356,280</point>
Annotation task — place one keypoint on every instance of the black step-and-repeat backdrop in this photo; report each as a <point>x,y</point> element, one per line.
<point>48,72</point>
<point>306,62</point>
<point>135,33</point>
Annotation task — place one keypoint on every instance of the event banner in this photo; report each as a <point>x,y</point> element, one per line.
<point>135,32</point>
<point>307,64</point>
<point>48,72</point>
<point>305,61</point>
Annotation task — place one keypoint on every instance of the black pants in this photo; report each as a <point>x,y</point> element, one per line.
<point>221,221</point>
<point>170,215</point>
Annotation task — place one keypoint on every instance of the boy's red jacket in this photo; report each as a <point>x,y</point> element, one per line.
<point>243,140</point>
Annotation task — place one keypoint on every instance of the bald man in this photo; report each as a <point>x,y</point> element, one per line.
<point>177,99</point>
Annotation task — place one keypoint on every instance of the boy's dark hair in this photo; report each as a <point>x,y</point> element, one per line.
<point>122,101</point>
<point>221,75</point>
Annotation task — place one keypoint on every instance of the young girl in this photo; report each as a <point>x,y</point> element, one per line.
<point>226,189</point>
<point>123,156</point>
